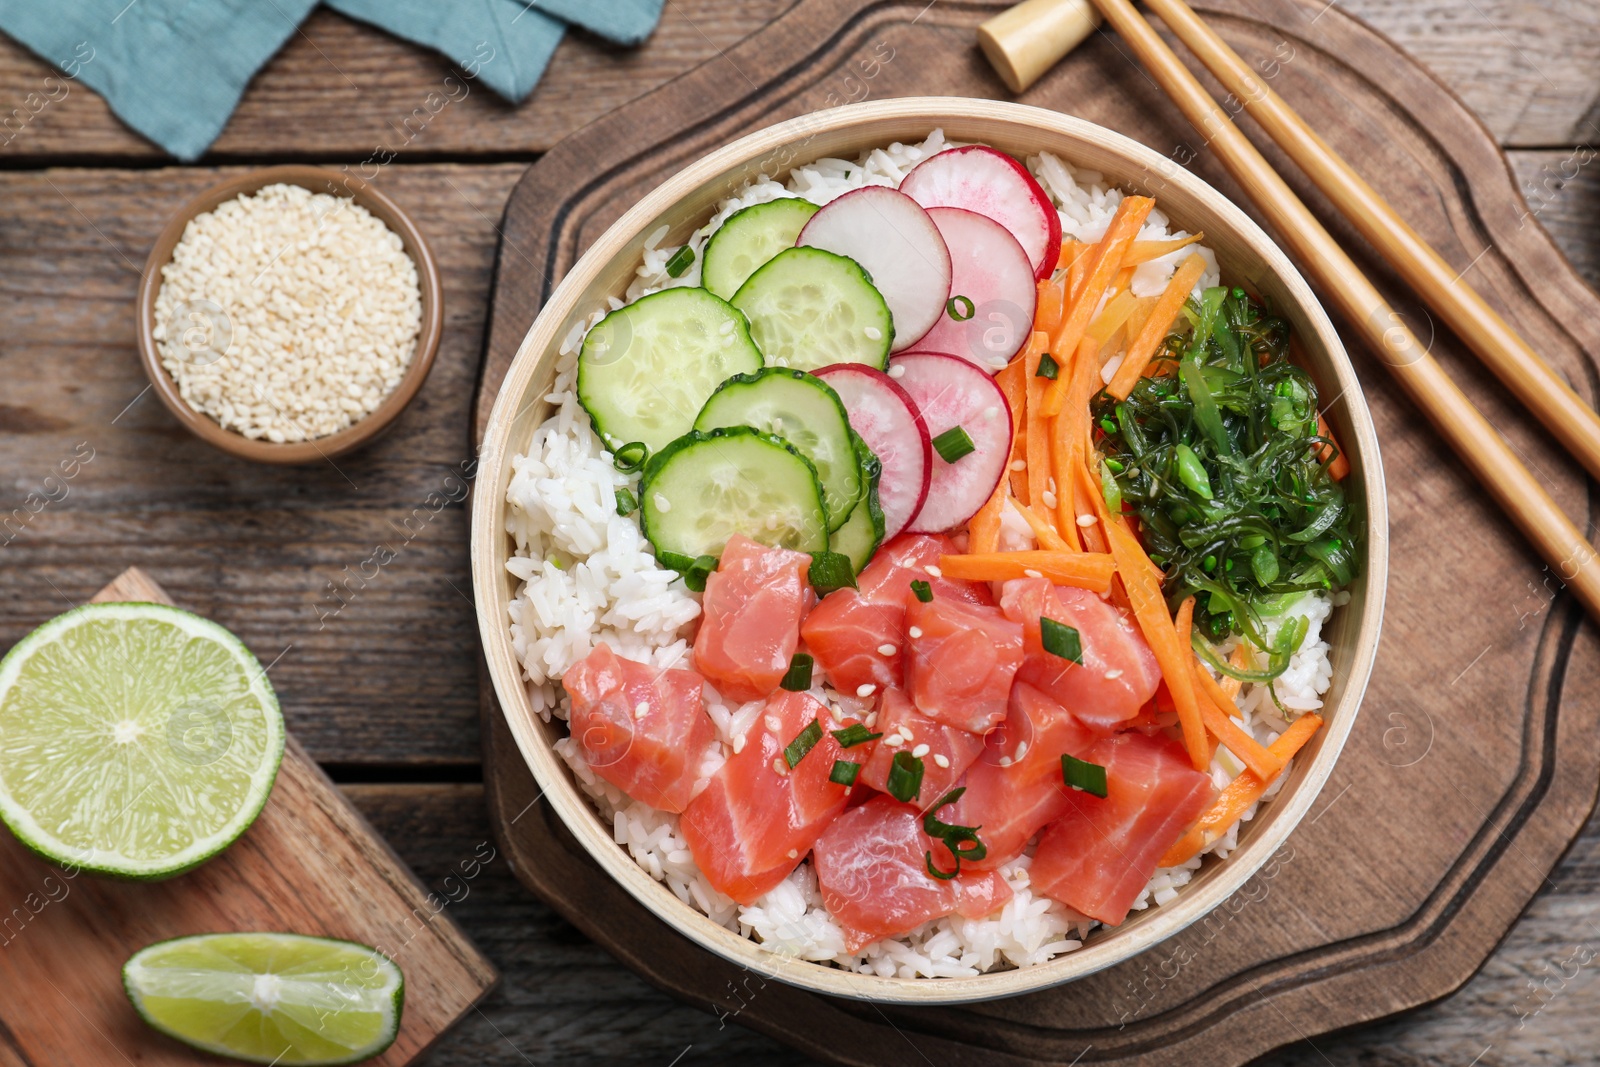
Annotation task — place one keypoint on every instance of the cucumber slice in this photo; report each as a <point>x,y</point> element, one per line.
<point>646,370</point>
<point>803,410</point>
<point>809,308</point>
<point>749,238</point>
<point>705,487</point>
<point>862,533</point>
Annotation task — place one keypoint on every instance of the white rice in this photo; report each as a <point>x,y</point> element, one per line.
<point>588,575</point>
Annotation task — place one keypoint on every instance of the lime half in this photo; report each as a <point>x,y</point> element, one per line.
<point>135,739</point>
<point>269,998</point>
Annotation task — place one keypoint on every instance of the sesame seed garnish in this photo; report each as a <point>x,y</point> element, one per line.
<point>794,854</point>
<point>894,740</point>
<point>1019,464</point>
<point>1113,674</point>
<point>866,690</point>
<point>1049,498</point>
<point>873,333</point>
<point>663,505</point>
<point>942,760</point>
<point>1005,761</point>
<point>886,649</point>
<point>920,751</point>
<point>1022,749</point>
<point>933,572</point>
<point>915,631</point>
<point>905,731</point>
<point>897,370</point>
<point>778,765</point>
<point>773,723</point>
<point>641,709</point>
<point>1031,573</point>
<point>1087,520</point>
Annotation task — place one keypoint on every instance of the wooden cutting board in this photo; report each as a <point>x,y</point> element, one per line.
<point>1476,756</point>
<point>310,864</point>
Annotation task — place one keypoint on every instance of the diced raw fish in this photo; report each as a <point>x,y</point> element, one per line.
<point>758,817</point>
<point>980,893</point>
<point>1119,673</point>
<point>872,870</point>
<point>899,718</point>
<point>1102,852</point>
<point>752,607</point>
<point>960,667</point>
<point>644,729</point>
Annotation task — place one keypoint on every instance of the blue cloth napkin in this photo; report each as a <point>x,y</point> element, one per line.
<point>174,69</point>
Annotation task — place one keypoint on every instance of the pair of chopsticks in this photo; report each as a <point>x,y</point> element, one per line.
<point>1493,462</point>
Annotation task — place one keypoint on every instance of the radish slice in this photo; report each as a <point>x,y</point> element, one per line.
<point>991,270</point>
<point>889,422</point>
<point>981,179</point>
<point>951,392</point>
<point>896,242</point>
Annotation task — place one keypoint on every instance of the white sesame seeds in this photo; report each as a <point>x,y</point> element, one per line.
<point>1049,498</point>
<point>872,333</point>
<point>663,505</point>
<point>941,760</point>
<point>779,766</point>
<point>866,690</point>
<point>905,731</point>
<point>894,740</point>
<point>794,853</point>
<point>933,571</point>
<point>773,723</point>
<point>641,709</point>
<point>1004,761</point>
<point>287,315</point>
<point>887,649</point>
<point>1113,675</point>
<point>1031,573</point>
<point>1087,520</point>
<point>1019,465</point>
<point>915,632</point>
<point>897,370</point>
<point>1022,749</point>
<point>920,751</point>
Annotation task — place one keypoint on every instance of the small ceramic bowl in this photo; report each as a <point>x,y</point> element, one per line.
<point>682,203</point>
<point>318,180</point>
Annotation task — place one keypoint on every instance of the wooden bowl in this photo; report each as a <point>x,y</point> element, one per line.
<point>318,180</point>
<point>1247,256</point>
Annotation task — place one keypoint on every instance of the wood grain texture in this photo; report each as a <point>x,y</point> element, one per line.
<point>341,88</point>
<point>564,1002</point>
<point>308,864</point>
<point>1455,827</point>
<point>280,556</point>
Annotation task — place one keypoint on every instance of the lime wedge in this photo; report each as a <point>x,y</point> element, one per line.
<point>136,740</point>
<point>269,998</point>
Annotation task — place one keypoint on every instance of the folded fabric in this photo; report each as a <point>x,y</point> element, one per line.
<point>174,70</point>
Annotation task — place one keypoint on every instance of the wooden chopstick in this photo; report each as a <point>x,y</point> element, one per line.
<point>1478,444</point>
<point>1443,288</point>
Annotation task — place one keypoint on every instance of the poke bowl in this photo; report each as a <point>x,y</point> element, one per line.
<point>794,624</point>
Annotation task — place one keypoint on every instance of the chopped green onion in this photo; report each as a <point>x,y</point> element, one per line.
<point>803,742</point>
<point>1084,776</point>
<point>631,456</point>
<point>1048,367</point>
<point>1192,472</point>
<point>680,261</point>
<point>694,579</point>
<point>962,841</point>
<point>830,571</point>
<point>627,503</point>
<point>1062,640</point>
<point>905,777</point>
<point>943,876</point>
<point>798,678</point>
<point>854,734</point>
<point>844,772</point>
<point>960,308</point>
<point>923,591</point>
<point>953,444</point>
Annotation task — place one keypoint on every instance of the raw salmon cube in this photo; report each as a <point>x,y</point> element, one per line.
<point>961,661</point>
<point>901,723</point>
<point>752,607</point>
<point>872,870</point>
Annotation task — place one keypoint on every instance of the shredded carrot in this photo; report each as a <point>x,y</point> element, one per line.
<point>1143,347</point>
<point>1052,294</point>
<point>983,529</point>
<point>1144,251</point>
<point>1043,532</point>
<point>1123,279</point>
<point>1339,469</point>
<point>1240,660</point>
<point>1140,314</point>
<point>1015,386</point>
<point>1070,434</point>
<point>1216,708</point>
<point>1105,261</point>
<point>1036,444</point>
<point>1111,317</point>
<point>1086,570</point>
<point>1150,610</point>
<point>1071,250</point>
<point>1089,489</point>
<point>1242,792</point>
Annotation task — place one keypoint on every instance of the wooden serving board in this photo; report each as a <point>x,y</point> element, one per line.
<point>309,864</point>
<point>1476,757</point>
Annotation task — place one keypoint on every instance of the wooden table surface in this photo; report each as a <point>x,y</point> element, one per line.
<point>382,689</point>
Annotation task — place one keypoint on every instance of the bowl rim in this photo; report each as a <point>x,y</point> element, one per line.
<point>489,548</point>
<point>318,180</point>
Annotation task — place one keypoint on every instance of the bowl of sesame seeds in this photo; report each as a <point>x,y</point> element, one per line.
<point>289,315</point>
